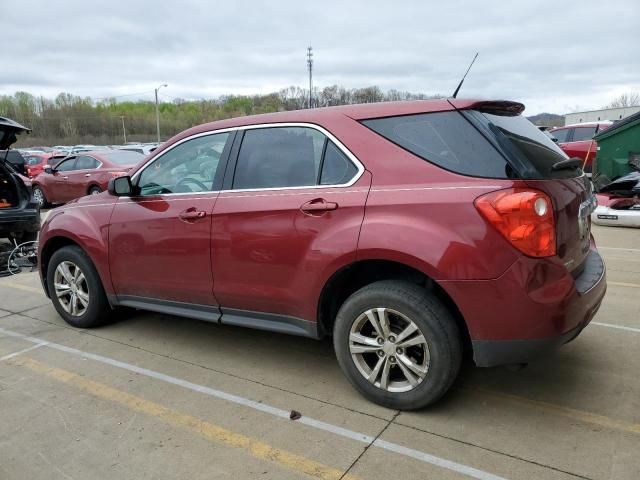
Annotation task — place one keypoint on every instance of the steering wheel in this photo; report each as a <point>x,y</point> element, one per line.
<point>186,180</point>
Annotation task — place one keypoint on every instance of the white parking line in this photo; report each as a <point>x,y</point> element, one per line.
<point>618,327</point>
<point>319,424</point>
<point>24,350</point>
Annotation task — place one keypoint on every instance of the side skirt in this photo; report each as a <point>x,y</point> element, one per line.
<point>227,316</point>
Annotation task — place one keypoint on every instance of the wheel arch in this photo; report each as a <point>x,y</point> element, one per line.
<point>350,278</point>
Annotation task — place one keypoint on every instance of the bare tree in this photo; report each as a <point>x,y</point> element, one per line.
<point>628,99</point>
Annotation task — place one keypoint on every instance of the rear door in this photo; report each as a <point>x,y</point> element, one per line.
<point>291,211</point>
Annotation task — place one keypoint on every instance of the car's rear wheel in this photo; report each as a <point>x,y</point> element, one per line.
<point>94,190</point>
<point>39,197</point>
<point>75,288</point>
<point>397,344</point>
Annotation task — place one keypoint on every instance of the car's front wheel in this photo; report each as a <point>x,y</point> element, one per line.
<point>94,190</point>
<point>75,288</point>
<point>397,344</point>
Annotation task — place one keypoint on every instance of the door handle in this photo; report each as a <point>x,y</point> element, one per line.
<point>65,178</point>
<point>87,174</point>
<point>317,205</point>
<point>191,214</point>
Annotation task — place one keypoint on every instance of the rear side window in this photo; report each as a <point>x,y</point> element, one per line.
<point>286,157</point>
<point>583,133</point>
<point>446,139</point>
<point>85,162</point>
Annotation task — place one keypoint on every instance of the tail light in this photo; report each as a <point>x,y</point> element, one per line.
<point>524,217</point>
<point>117,174</point>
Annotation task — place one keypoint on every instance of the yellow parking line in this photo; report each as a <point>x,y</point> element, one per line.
<point>572,413</point>
<point>208,430</point>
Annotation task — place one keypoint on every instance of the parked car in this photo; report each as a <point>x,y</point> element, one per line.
<point>408,231</point>
<point>143,149</point>
<point>82,174</point>
<point>577,140</point>
<point>35,162</point>
<point>15,158</point>
<point>19,214</point>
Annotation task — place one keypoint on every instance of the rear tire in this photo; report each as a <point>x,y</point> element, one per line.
<point>393,368</point>
<point>75,288</point>
<point>94,190</point>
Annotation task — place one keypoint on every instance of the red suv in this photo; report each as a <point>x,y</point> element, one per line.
<point>577,140</point>
<point>408,231</point>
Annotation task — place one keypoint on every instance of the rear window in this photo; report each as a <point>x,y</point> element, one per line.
<point>530,151</point>
<point>583,133</point>
<point>445,139</point>
<point>123,157</point>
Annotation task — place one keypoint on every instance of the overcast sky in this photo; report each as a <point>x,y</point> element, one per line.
<point>553,56</point>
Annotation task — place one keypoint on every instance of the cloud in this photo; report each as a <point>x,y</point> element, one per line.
<point>552,57</point>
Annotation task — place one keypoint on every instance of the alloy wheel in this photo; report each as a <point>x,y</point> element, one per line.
<point>38,196</point>
<point>389,350</point>
<point>71,288</point>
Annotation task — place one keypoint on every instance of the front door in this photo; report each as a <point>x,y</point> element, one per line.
<point>291,213</point>
<point>159,239</point>
<point>58,182</point>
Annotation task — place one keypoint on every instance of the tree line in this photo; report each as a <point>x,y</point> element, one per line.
<point>70,119</point>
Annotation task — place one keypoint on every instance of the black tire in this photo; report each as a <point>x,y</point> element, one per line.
<point>94,190</point>
<point>433,320</point>
<point>44,203</point>
<point>98,310</point>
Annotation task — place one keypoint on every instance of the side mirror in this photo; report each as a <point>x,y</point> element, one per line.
<point>48,169</point>
<point>120,186</point>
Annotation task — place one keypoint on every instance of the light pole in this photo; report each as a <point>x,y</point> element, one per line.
<point>158,111</point>
<point>310,66</point>
<point>124,130</point>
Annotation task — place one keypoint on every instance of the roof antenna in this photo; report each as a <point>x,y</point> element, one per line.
<point>455,94</point>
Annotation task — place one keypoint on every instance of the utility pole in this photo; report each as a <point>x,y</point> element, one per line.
<point>310,65</point>
<point>124,130</point>
<point>158,111</point>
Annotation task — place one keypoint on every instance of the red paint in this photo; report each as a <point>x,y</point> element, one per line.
<point>263,251</point>
<point>583,149</point>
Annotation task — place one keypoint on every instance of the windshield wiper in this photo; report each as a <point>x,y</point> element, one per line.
<point>568,164</point>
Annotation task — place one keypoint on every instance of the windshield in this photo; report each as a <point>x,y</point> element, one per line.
<point>123,157</point>
<point>532,152</point>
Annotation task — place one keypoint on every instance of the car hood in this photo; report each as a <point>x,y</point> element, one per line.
<point>8,131</point>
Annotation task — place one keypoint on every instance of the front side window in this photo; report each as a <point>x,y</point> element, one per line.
<point>583,133</point>
<point>66,165</point>
<point>561,134</point>
<point>189,167</point>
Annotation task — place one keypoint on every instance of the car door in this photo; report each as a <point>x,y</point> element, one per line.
<point>57,183</point>
<point>79,178</point>
<point>581,142</point>
<point>159,239</point>
<point>291,210</point>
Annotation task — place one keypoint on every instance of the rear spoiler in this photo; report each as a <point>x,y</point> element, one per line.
<point>497,107</point>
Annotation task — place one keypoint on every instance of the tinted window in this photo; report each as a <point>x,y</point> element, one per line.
<point>446,139</point>
<point>85,163</point>
<point>123,157</point>
<point>33,160</point>
<point>530,151</point>
<point>66,165</point>
<point>189,167</point>
<point>561,134</point>
<point>279,157</point>
<point>336,167</point>
<point>583,133</point>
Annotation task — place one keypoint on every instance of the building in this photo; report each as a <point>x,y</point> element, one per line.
<point>612,114</point>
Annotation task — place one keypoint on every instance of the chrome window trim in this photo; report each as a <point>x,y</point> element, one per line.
<point>322,130</point>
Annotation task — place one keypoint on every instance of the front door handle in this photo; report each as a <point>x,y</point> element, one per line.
<point>317,206</point>
<point>191,214</point>
<point>65,178</point>
<point>87,174</point>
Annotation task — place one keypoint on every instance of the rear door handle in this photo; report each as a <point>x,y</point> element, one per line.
<point>191,214</point>
<point>87,174</point>
<point>318,205</point>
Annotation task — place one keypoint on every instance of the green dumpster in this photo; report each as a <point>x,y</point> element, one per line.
<point>618,149</point>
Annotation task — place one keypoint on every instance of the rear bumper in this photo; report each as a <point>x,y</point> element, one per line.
<point>533,308</point>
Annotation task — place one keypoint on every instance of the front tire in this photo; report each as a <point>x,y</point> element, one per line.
<point>397,344</point>
<point>38,195</point>
<point>94,190</point>
<point>75,288</point>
